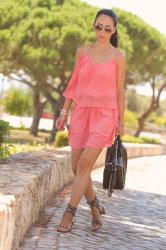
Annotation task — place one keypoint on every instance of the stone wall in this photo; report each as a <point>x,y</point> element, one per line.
<point>29,180</point>
<point>7,220</point>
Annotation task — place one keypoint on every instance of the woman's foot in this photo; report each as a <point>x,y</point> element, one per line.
<point>97,210</point>
<point>68,220</point>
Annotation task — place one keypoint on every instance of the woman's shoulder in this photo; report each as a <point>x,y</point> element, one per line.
<point>119,55</point>
<point>83,49</point>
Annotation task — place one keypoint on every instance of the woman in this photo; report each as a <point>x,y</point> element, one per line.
<point>97,89</point>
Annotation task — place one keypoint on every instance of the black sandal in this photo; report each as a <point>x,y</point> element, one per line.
<point>95,203</point>
<point>68,228</point>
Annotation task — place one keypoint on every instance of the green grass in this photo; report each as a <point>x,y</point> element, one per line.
<point>133,139</point>
<point>22,141</point>
<point>17,148</point>
<point>23,136</point>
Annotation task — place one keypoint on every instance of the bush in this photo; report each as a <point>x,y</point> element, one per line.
<point>5,130</point>
<point>150,140</point>
<point>133,139</point>
<point>18,102</point>
<point>28,147</point>
<point>151,118</point>
<point>131,119</point>
<point>160,121</point>
<point>61,138</point>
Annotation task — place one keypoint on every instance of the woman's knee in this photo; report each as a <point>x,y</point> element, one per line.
<point>87,159</point>
<point>84,164</point>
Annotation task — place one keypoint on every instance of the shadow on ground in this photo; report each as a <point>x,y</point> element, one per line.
<point>134,220</point>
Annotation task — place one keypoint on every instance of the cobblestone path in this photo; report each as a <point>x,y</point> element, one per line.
<point>135,218</point>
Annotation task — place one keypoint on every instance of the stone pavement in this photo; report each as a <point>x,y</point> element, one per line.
<point>135,217</point>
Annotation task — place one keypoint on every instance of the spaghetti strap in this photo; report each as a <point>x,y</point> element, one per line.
<point>93,84</point>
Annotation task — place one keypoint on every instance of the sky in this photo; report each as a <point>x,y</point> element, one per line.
<point>151,11</point>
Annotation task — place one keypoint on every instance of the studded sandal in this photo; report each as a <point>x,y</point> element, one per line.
<point>95,203</point>
<point>67,228</point>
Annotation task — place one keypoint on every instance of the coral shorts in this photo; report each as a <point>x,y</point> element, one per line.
<point>92,127</point>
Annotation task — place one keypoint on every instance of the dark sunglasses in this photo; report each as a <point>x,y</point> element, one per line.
<point>99,28</point>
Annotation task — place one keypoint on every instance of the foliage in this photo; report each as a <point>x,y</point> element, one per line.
<point>130,119</point>
<point>5,130</point>
<point>38,40</point>
<point>160,121</point>
<point>17,147</point>
<point>18,102</point>
<point>149,50</point>
<point>136,102</point>
<point>152,117</point>
<point>133,139</point>
<point>61,138</point>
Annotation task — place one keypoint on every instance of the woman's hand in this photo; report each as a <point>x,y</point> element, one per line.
<point>120,130</point>
<point>60,121</point>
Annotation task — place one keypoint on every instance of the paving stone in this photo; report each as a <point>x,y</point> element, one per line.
<point>134,219</point>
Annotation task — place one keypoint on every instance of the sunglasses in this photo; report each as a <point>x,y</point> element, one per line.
<point>99,28</point>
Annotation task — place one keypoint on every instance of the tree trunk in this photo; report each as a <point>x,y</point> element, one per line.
<point>37,112</point>
<point>56,107</point>
<point>54,130</point>
<point>141,120</point>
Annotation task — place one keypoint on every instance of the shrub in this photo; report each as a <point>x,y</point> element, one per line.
<point>150,140</point>
<point>160,121</point>
<point>133,139</point>
<point>131,119</point>
<point>18,102</point>
<point>61,138</point>
<point>5,130</point>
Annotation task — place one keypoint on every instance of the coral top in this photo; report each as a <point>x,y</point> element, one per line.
<point>93,84</point>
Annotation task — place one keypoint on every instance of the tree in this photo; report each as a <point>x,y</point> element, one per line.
<point>38,107</point>
<point>18,102</point>
<point>155,103</point>
<point>35,51</point>
<point>147,62</point>
<point>38,46</point>
<point>39,38</point>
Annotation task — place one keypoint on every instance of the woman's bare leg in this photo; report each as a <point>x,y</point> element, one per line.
<point>84,166</point>
<point>75,155</point>
<point>89,193</point>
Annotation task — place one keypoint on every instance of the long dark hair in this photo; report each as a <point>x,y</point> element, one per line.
<point>108,12</point>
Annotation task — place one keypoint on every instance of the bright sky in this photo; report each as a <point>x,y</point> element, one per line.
<point>151,11</point>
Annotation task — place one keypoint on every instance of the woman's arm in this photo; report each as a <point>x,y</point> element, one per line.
<point>68,101</point>
<point>121,75</point>
<point>68,92</point>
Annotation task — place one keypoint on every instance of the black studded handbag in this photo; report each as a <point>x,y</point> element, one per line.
<point>114,174</point>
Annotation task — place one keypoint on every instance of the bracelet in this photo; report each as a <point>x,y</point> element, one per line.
<point>63,111</point>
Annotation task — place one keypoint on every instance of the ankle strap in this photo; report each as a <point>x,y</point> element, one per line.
<point>71,209</point>
<point>94,202</point>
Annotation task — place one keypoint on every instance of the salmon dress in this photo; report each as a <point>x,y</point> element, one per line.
<point>94,117</point>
